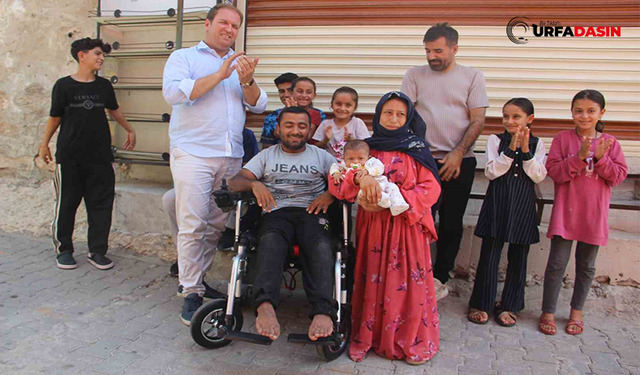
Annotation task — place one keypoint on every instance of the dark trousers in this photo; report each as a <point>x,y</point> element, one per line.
<point>453,203</point>
<point>279,231</point>
<point>96,184</point>
<point>485,288</point>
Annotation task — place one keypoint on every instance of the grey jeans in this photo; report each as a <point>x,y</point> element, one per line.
<point>557,265</point>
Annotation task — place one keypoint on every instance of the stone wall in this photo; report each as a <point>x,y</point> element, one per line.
<point>36,37</point>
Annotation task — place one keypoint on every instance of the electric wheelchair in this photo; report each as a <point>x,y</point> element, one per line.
<point>218,322</point>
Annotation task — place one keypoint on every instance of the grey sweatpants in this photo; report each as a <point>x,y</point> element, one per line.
<point>556,267</point>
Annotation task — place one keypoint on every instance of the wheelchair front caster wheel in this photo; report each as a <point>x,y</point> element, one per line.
<point>329,353</point>
<point>208,324</point>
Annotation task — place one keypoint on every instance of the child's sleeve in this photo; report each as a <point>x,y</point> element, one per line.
<point>335,168</point>
<point>347,190</point>
<point>497,164</point>
<point>421,197</point>
<point>533,165</point>
<point>268,129</point>
<point>562,169</point>
<point>613,166</point>
<point>362,132</point>
<point>58,101</point>
<point>374,167</point>
<point>319,134</point>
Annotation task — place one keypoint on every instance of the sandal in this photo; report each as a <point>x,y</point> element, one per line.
<point>542,323</point>
<point>499,312</point>
<point>575,323</point>
<point>512,315</point>
<point>475,316</point>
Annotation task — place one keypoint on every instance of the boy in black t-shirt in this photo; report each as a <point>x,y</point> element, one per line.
<point>83,153</point>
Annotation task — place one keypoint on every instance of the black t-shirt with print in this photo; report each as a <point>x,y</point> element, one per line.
<point>84,130</point>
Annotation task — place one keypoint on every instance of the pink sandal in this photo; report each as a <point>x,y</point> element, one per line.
<point>575,323</point>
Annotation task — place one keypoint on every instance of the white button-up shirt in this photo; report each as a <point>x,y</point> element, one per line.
<point>210,126</point>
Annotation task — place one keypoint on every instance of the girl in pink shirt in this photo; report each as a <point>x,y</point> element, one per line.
<point>584,164</point>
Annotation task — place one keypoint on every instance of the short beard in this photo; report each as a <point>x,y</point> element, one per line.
<point>442,66</point>
<point>291,147</point>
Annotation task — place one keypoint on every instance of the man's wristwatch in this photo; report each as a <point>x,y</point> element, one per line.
<point>247,85</point>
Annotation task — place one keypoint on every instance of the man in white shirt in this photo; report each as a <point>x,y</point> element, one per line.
<point>209,86</point>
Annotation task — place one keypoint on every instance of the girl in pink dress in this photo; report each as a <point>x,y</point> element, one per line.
<point>584,164</point>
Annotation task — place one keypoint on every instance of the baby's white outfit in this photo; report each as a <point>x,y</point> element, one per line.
<point>390,198</point>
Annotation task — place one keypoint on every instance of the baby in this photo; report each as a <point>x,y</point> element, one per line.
<point>357,160</point>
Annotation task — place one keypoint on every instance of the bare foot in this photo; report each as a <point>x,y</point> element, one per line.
<point>321,326</point>
<point>266,321</point>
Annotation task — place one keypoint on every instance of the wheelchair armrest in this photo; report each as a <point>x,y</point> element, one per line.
<point>226,200</point>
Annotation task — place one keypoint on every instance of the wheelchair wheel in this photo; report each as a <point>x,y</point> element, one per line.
<point>207,321</point>
<point>330,353</point>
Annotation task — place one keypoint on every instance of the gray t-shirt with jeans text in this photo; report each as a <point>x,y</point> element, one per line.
<point>294,180</point>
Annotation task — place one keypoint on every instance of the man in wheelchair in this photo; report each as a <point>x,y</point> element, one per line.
<point>289,183</point>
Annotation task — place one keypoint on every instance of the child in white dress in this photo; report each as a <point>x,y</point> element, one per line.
<point>357,160</point>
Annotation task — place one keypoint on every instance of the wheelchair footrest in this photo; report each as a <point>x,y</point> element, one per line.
<point>302,338</point>
<point>248,337</point>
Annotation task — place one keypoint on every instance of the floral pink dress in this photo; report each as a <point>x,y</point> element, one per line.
<point>394,304</point>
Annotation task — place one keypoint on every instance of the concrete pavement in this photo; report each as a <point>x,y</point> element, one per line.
<point>125,321</point>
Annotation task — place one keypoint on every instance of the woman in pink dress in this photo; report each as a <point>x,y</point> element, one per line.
<point>394,304</point>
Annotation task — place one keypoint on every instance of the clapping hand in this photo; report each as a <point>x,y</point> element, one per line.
<point>246,67</point>
<point>226,68</point>
<point>514,140</point>
<point>328,133</point>
<point>585,147</point>
<point>602,147</point>
<point>290,102</point>
<point>524,143</point>
<point>347,136</point>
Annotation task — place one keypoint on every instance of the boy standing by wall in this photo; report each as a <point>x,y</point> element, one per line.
<point>83,153</point>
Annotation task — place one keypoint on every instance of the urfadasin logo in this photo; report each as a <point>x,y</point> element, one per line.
<point>518,22</point>
<point>554,29</point>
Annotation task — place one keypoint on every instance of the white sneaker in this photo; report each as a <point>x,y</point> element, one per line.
<point>441,289</point>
